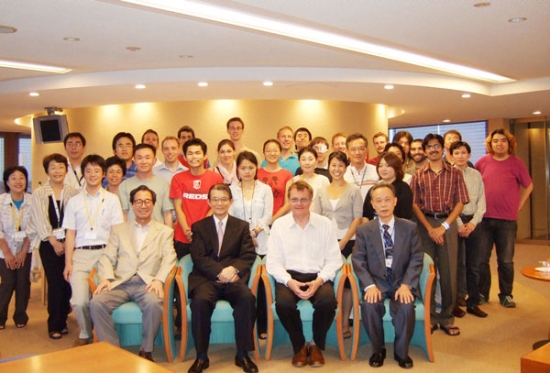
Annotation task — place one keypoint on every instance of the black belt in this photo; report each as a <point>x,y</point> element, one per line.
<point>92,247</point>
<point>436,215</point>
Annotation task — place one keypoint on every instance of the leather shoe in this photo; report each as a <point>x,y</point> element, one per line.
<point>405,363</point>
<point>247,365</point>
<point>146,355</point>
<point>377,359</point>
<point>316,358</point>
<point>199,365</point>
<point>458,312</point>
<point>476,311</point>
<point>300,359</point>
<point>81,342</point>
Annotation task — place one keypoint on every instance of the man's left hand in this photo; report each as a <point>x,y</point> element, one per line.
<point>312,288</point>
<point>156,287</point>
<point>404,295</point>
<point>228,274</point>
<point>105,284</point>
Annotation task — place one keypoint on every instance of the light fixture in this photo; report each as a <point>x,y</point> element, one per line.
<point>186,56</point>
<point>483,4</point>
<point>517,19</point>
<point>133,49</point>
<point>7,29</point>
<point>34,94</point>
<point>203,84</point>
<point>268,84</point>
<point>446,121</point>
<point>295,31</point>
<point>33,67</point>
<point>466,95</point>
<point>388,86</point>
<point>70,38</point>
<point>17,121</point>
<point>538,112</point>
<point>140,86</point>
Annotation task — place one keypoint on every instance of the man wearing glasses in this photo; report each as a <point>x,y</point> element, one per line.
<point>133,267</point>
<point>359,172</point>
<point>222,253</point>
<point>75,146</point>
<point>439,194</point>
<point>303,256</point>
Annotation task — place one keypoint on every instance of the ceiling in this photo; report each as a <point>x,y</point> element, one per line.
<point>236,61</point>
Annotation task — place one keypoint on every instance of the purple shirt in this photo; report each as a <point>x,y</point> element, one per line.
<point>502,180</point>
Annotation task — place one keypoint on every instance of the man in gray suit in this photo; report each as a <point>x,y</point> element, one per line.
<point>387,259</point>
<point>134,266</point>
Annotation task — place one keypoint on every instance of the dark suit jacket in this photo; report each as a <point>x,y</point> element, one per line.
<point>237,250</point>
<point>369,262</point>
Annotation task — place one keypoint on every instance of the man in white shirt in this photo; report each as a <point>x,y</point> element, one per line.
<point>304,268</point>
<point>88,219</point>
<point>359,172</point>
<point>134,267</point>
<point>75,146</point>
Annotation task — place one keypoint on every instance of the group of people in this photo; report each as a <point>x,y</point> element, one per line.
<point>302,206</point>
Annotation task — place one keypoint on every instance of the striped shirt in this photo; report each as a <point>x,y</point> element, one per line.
<point>476,192</point>
<point>438,192</point>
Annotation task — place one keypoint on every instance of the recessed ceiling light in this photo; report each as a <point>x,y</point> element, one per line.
<point>17,121</point>
<point>388,86</point>
<point>34,94</point>
<point>203,84</point>
<point>466,95</point>
<point>517,19</point>
<point>133,49</point>
<point>446,120</point>
<point>482,4</point>
<point>70,38</point>
<point>33,67</point>
<point>7,29</point>
<point>537,112</point>
<point>251,21</point>
<point>268,84</point>
<point>140,86</point>
<point>186,56</point>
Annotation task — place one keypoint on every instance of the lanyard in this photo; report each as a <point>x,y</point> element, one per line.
<point>16,221</point>
<point>360,185</point>
<point>58,209</point>
<point>251,199</point>
<point>91,222</point>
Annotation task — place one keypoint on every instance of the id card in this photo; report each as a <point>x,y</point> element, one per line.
<point>90,235</point>
<point>59,234</point>
<point>19,236</point>
<point>389,261</point>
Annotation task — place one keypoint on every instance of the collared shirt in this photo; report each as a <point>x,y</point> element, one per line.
<point>83,207</point>
<point>438,193</point>
<point>164,172</point>
<point>141,234</point>
<point>313,249</point>
<point>217,222</point>
<point>364,178</point>
<point>14,219</point>
<point>391,231</point>
<point>158,185</point>
<point>290,163</point>
<point>476,192</point>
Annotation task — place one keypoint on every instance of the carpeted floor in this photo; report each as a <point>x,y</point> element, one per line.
<point>494,344</point>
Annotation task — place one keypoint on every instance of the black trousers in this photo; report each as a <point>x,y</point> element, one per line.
<point>59,290</point>
<point>17,280</point>
<point>203,302</point>
<point>324,305</point>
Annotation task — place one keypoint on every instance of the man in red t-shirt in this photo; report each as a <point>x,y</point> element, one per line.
<point>189,192</point>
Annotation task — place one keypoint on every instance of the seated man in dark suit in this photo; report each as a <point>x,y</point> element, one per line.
<point>222,253</point>
<point>387,259</point>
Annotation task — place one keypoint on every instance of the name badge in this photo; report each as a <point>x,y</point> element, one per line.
<point>90,235</point>
<point>389,261</point>
<point>59,234</point>
<point>19,236</point>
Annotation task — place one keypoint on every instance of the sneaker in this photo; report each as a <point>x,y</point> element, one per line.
<point>508,302</point>
<point>482,299</point>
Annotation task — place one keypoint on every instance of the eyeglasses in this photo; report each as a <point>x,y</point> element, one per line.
<point>434,147</point>
<point>301,200</point>
<point>141,202</point>
<point>357,150</point>
<point>75,144</point>
<point>218,200</point>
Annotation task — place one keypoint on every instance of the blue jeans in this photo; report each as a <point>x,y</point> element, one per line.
<point>501,233</point>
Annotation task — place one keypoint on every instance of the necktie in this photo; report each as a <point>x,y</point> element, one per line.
<point>388,246</point>
<point>220,236</point>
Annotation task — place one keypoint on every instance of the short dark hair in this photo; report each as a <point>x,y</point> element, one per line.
<point>59,158</point>
<point>121,135</point>
<point>195,141</point>
<point>226,142</point>
<point>338,155</point>
<point>356,136</point>
<point>150,131</point>
<point>307,149</point>
<point>398,146</point>
<point>274,142</point>
<point>222,187</point>
<point>394,162</point>
<point>186,129</point>
<point>300,185</point>
<point>235,119</point>
<point>93,159</point>
<point>302,129</point>
<point>378,134</point>
<point>432,136</point>
<point>458,144</point>
<point>114,160</point>
<point>401,134</point>
<point>145,146</point>
<point>319,140</point>
<point>247,156</point>
<point>417,140</point>
<point>453,132</point>
<point>74,134</point>
<point>143,188</point>
<point>380,186</point>
<point>10,170</point>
